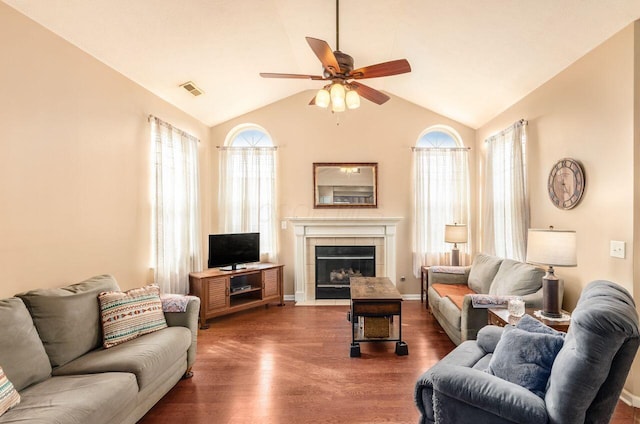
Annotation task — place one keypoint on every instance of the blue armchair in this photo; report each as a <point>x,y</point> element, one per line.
<point>585,379</point>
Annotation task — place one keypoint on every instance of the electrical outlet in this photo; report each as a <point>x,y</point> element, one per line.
<point>617,249</point>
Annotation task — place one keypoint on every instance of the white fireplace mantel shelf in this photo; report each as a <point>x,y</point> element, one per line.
<point>312,227</point>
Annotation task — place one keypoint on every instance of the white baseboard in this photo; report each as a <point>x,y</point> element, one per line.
<point>289,297</point>
<point>411,296</point>
<point>630,399</point>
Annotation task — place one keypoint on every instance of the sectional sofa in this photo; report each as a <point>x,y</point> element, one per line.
<point>51,351</point>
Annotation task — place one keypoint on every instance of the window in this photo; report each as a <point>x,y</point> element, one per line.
<point>176,245</point>
<point>505,199</point>
<point>441,170</point>
<point>247,186</point>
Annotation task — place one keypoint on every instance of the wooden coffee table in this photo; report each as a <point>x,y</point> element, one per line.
<point>375,301</point>
<point>501,317</point>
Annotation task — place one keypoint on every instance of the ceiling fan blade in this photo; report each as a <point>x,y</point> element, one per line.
<point>298,76</point>
<point>325,54</point>
<point>395,67</point>
<point>369,93</point>
<point>313,101</point>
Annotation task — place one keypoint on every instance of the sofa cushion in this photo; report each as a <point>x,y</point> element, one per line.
<point>146,356</point>
<point>483,270</point>
<point>455,292</point>
<point>516,278</point>
<point>68,318</point>
<point>9,397</point>
<point>94,399</point>
<point>22,354</point>
<point>130,314</point>
<point>525,358</point>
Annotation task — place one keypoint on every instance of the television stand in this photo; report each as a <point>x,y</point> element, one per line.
<point>225,292</point>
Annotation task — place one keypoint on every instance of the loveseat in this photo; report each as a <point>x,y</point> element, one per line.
<point>51,350</point>
<point>531,374</point>
<point>450,289</point>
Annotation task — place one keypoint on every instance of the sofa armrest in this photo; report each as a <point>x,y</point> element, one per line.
<point>471,319</point>
<point>449,278</point>
<point>466,395</point>
<point>534,300</point>
<point>188,319</point>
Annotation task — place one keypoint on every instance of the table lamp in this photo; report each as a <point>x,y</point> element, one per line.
<point>455,233</point>
<point>551,248</point>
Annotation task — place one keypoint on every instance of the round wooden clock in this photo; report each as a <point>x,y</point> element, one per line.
<point>566,183</point>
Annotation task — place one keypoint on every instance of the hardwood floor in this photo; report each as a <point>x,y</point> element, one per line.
<point>291,365</point>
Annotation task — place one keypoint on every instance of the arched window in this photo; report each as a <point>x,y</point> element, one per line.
<point>439,136</point>
<point>441,166</point>
<point>248,135</point>
<point>247,199</point>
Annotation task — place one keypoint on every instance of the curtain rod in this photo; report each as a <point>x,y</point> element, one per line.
<point>246,148</point>
<point>171,127</point>
<point>522,122</point>
<point>414,148</point>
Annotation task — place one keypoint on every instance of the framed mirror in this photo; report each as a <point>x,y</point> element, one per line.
<point>345,185</point>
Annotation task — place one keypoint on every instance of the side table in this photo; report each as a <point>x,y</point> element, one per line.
<point>424,284</point>
<point>501,317</point>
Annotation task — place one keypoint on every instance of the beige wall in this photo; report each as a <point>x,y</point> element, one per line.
<point>587,112</point>
<point>74,163</point>
<point>372,133</point>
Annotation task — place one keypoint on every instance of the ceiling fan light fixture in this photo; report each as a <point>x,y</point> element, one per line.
<point>323,98</point>
<point>338,106</point>
<point>352,99</point>
<point>337,93</point>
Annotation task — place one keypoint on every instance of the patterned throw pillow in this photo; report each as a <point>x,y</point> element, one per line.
<point>127,315</point>
<point>9,397</point>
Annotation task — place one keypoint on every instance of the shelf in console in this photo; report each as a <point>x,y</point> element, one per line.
<point>252,289</point>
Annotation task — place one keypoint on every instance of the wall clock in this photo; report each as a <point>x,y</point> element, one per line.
<point>566,183</point>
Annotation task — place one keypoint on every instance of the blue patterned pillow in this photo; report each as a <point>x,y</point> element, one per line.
<point>127,315</point>
<point>9,397</point>
<point>525,358</point>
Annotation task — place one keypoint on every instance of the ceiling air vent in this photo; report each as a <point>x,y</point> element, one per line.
<point>191,88</point>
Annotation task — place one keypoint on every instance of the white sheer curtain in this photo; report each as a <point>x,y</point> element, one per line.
<point>441,197</point>
<point>247,200</point>
<point>505,200</point>
<point>176,212</point>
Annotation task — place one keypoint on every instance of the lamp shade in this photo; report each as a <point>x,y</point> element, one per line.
<point>552,247</point>
<point>455,233</point>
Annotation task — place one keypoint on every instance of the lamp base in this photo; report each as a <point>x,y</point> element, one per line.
<point>551,307</point>
<point>455,257</point>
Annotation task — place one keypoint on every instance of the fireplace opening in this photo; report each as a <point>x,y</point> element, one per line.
<point>336,265</point>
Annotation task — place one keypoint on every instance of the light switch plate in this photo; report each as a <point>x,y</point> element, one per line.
<point>617,249</point>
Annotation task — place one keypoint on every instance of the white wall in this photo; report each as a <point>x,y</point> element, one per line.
<point>74,163</point>
<point>372,133</point>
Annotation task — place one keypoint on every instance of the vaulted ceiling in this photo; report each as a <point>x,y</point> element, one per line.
<point>470,59</point>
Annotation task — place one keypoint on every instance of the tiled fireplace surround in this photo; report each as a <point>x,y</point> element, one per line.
<point>327,231</point>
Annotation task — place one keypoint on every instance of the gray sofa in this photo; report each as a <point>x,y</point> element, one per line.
<point>585,380</point>
<point>486,275</point>
<point>51,350</point>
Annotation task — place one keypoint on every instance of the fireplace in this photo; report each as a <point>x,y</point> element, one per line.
<point>336,265</point>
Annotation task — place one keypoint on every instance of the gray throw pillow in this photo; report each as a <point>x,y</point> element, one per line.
<point>529,323</point>
<point>525,358</point>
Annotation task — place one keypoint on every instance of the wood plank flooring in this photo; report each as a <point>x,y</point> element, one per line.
<point>291,365</point>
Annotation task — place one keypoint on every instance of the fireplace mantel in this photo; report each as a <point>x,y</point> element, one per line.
<point>333,227</point>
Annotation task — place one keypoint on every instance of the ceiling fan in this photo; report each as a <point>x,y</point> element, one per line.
<point>337,66</point>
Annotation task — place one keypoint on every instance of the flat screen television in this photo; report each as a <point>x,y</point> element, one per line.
<point>232,250</point>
